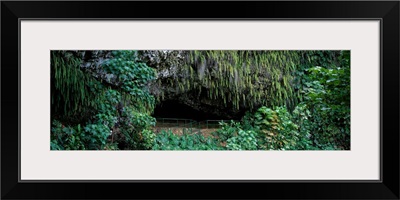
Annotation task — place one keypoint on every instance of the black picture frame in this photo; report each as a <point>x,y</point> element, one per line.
<point>386,11</point>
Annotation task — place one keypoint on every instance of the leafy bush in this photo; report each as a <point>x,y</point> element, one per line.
<point>327,95</point>
<point>227,130</point>
<point>277,129</point>
<point>67,138</point>
<point>121,112</point>
<point>149,139</point>
<point>244,140</point>
<point>132,76</point>
<point>301,117</point>
<point>267,125</point>
<point>166,140</point>
<point>97,135</point>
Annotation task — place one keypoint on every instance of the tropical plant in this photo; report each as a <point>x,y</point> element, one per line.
<point>244,140</point>
<point>166,140</point>
<point>327,96</point>
<point>116,112</point>
<point>227,130</point>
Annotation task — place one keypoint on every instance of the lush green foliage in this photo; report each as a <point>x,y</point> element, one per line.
<point>233,137</point>
<point>166,140</point>
<point>67,138</point>
<point>266,129</point>
<point>120,114</point>
<point>305,104</point>
<point>243,79</point>
<point>244,140</point>
<point>276,128</point>
<point>70,100</point>
<point>132,76</point>
<point>227,130</point>
<point>327,97</point>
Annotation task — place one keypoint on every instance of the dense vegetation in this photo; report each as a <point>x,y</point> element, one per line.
<point>293,100</point>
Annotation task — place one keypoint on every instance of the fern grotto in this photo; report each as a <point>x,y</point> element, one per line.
<point>200,100</point>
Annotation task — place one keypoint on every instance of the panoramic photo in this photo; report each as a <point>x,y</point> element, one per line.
<point>253,100</point>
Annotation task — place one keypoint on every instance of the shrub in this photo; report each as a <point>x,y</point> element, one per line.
<point>119,111</point>
<point>327,95</point>
<point>277,129</point>
<point>227,130</point>
<point>149,139</point>
<point>166,140</point>
<point>244,140</point>
<point>67,137</point>
<point>301,117</point>
<point>97,135</point>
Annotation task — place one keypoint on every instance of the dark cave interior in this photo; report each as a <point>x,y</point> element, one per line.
<point>174,109</point>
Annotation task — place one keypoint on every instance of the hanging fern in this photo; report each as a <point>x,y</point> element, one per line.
<point>259,75</point>
<point>69,93</point>
<point>263,77</point>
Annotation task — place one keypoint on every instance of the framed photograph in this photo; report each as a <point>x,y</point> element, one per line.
<point>274,100</point>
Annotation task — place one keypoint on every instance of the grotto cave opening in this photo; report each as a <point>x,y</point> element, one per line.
<point>175,109</point>
<point>179,110</point>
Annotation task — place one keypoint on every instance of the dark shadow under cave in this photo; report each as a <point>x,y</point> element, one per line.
<point>175,109</point>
